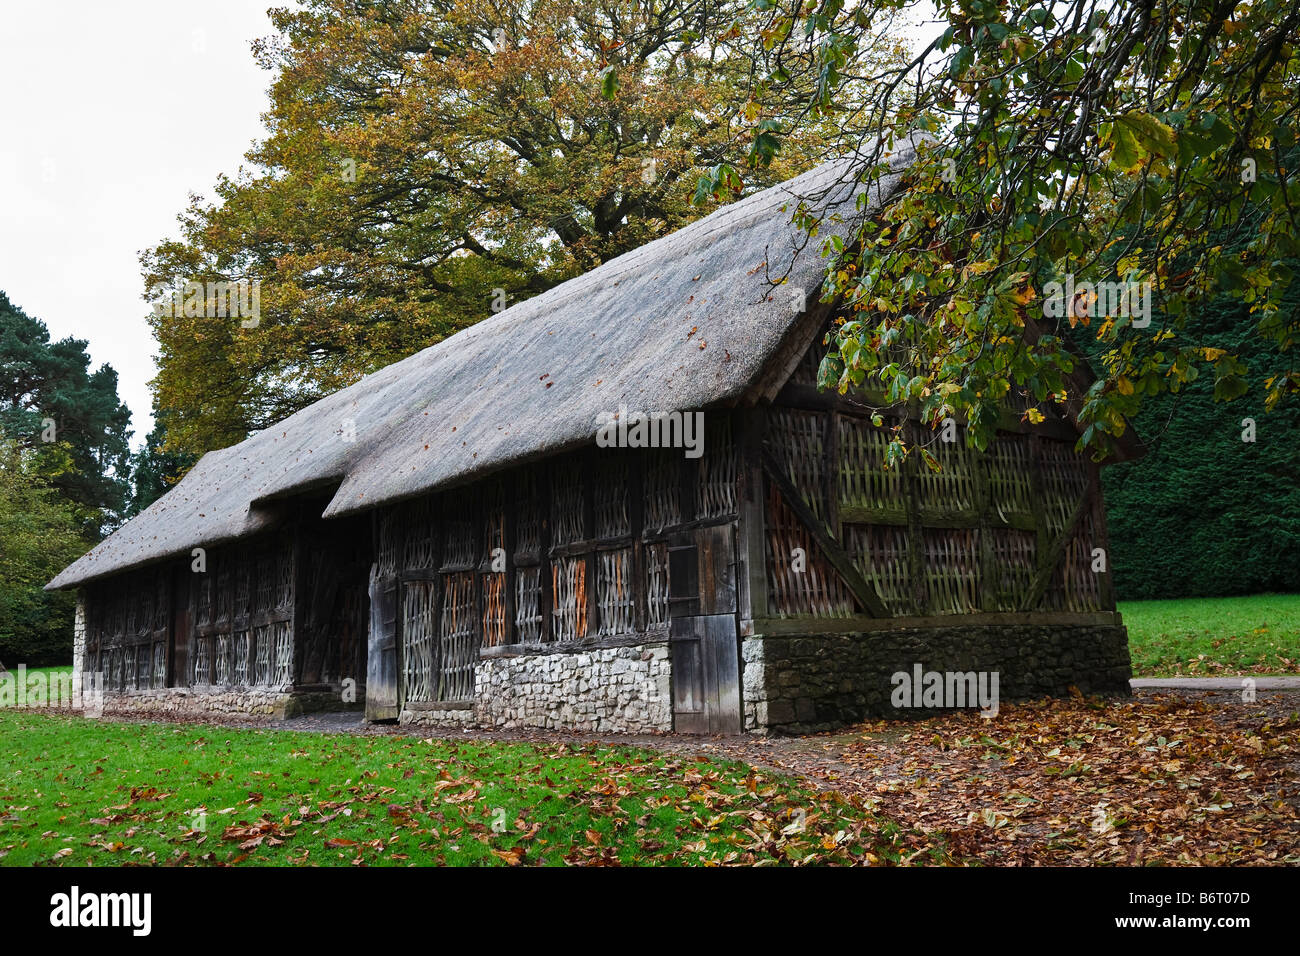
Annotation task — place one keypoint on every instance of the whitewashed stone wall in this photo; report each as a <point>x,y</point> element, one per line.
<point>611,690</point>
<point>442,717</point>
<point>178,701</point>
<point>79,634</point>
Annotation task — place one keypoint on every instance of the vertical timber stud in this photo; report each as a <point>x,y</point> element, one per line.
<point>179,658</point>
<point>478,544</point>
<point>301,591</point>
<point>509,492</point>
<point>438,545</point>
<point>589,535</point>
<point>636,524</point>
<point>912,499</point>
<point>988,590</point>
<point>688,473</point>
<point>1039,504</point>
<point>545,600</point>
<point>1106,591</point>
<point>751,496</point>
<point>831,473</point>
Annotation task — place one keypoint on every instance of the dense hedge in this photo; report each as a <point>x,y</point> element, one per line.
<point>1205,513</point>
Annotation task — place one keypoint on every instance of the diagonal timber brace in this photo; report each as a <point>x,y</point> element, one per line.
<point>838,558</point>
<point>1047,566</point>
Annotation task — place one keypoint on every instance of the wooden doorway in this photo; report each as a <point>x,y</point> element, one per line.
<point>704,638</point>
<point>383,701</point>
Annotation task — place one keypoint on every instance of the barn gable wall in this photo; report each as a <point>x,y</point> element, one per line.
<point>264,626</point>
<point>1019,527</point>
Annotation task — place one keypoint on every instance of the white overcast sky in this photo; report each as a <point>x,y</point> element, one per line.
<point>111,114</point>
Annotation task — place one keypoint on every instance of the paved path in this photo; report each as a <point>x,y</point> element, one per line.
<point>1215,683</point>
<point>354,722</point>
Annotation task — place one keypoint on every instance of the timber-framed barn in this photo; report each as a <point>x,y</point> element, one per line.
<point>446,543</point>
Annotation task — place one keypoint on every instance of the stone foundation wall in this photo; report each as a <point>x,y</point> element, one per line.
<point>791,684</point>
<point>607,690</point>
<point>440,717</point>
<point>79,634</point>
<point>611,690</point>
<point>192,702</point>
<point>243,702</point>
<point>821,682</point>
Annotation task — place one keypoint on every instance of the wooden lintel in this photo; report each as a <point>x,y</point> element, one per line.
<point>804,625</point>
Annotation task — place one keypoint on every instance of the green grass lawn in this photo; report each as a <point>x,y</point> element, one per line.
<point>83,792</point>
<point>47,671</point>
<point>1210,637</point>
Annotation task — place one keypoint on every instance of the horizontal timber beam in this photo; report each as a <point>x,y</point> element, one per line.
<point>792,626</point>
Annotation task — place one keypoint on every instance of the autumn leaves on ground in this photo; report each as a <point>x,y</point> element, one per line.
<point>1160,779</point>
<point>1157,779</point>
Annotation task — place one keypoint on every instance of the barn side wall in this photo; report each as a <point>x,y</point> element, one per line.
<point>609,690</point>
<point>815,682</point>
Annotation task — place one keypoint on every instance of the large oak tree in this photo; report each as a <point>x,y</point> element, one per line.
<point>428,162</point>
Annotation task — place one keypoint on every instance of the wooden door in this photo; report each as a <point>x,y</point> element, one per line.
<point>382,663</point>
<point>704,638</point>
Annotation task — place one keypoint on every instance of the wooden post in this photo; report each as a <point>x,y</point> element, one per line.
<point>752,502</point>
<point>301,590</point>
<point>915,532</point>
<point>589,535</point>
<point>546,597</point>
<point>831,472</point>
<point>636,524</point>
<point>1106,591</point>
<point>1036,491</point>
<point>988,592</point>
<point>509,535</point>
<point>438,546</point>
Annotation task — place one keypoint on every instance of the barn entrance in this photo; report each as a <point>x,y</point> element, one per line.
<point>333,604</point>
<point>704,638</point>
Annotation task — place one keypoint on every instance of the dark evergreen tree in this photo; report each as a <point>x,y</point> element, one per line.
<point>66,416</point>
<point>64,478</point>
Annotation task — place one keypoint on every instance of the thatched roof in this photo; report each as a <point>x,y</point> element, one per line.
<point>685,322</point>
